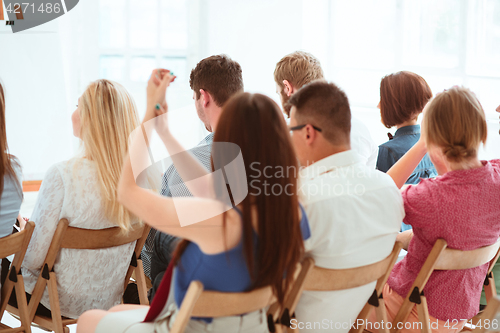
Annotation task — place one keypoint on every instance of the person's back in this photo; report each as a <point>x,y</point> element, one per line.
<point>11,194</point>
<point>86,278</point>
<point>83,190</point>
<point>460,206</point>
<point>354,211</point>
<point>403,96</point>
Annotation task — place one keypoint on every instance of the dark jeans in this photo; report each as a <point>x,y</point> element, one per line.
<point>163,249</point>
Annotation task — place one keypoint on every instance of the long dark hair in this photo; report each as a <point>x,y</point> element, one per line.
<point>6,160</point>
<point>254,123</point>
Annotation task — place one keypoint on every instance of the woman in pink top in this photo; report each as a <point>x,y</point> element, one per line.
<point>460,206</point>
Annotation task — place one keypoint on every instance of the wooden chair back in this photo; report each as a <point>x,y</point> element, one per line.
<point>441,258</point>
<point>322,279</point>
<point>66,237</point>
<point>213,304</point>
<point>16,244</point>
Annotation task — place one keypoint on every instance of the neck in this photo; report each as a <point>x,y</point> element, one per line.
<point>472,163</point>
<point>407,123</point>
<point>327,151</point>
<point>214,119</point>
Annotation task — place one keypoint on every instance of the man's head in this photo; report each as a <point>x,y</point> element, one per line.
<point>213,81</point>
<point>320,120</point>
<point>292,72</point>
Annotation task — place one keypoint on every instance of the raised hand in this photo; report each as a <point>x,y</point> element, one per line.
<point>156,91</point>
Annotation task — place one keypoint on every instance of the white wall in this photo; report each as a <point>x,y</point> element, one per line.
<point>38,126</point>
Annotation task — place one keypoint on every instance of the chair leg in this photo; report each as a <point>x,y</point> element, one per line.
<point>141,283</point>
<point>490,290</point>
<point>22,304</point>
<point>54,304</point>
<point>382,316</point>
<point>423,315</point>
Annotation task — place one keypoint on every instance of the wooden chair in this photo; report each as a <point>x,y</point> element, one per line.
<point>323,279</point>
<point>441,258</point>
<point>66,237</point>
<point>490,314</point>
<point>16,244</point>
<point>199,303</point>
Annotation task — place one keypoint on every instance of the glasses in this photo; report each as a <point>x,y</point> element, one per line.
<point>298,127</point>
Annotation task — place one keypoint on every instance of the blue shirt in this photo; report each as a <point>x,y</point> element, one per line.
<point>12,197</point>
<point>391,151</point>
<point>225,272</point>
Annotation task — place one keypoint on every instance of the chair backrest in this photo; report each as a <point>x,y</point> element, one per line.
<point>16,244</point>
<point>490,314</point>
<point>324,279</point>
<point>441,258</point>
<point>211,304</point>
<point>451,259</point>
<point>77,238</point>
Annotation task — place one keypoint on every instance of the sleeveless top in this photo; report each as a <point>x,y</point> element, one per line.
<point>225,271</point>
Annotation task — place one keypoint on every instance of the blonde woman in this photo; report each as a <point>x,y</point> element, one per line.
<point>83,190</point>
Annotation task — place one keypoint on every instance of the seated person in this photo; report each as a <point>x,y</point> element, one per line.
<point>11,192</point>
<point>209,96</point>
<point>253,244</point>
<point>403,96</point>
<point>460,206</point>
<point>83,190</point>
<point>354,211</point>
<point>299,68</point>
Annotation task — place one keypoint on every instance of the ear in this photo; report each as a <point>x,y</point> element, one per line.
<point>289,88</point>
<point>310,135</point>
<point>205,97</point>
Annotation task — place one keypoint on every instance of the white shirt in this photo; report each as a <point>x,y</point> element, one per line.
<point>86,279</point>
<point>354,214</point>
<point>363,144</point>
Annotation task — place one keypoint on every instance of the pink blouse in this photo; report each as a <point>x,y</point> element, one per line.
<point>463,208</point>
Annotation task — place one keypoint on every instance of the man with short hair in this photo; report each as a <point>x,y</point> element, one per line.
<point>354,211</point>
<point>214,80</point>
<point>299,68</point>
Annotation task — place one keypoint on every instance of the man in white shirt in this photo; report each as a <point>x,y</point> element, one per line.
<point>299,68</point>
<point>354,211</point>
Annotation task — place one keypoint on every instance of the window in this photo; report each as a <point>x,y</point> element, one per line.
<point>137,36</point>
<point>447,42</point>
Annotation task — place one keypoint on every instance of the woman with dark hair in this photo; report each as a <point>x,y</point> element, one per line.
<point>11,193</point>
<point>403,96</point>
<point>241,241</point>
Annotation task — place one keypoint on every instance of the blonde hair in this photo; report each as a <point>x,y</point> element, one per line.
<point>455,122</point>
<point>298,68</point>
<point>108,115</point>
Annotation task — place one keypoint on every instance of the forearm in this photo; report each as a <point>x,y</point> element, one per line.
<point>405,166</point>
<point>189,168</point>
<point>405,238</point>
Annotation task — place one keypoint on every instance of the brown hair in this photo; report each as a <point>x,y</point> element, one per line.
<point>403,96</point>
<point>455,121</point>
<point>6,160</point>
<point>326,106</point>
<point>280,245</point>
<point>218,75</point>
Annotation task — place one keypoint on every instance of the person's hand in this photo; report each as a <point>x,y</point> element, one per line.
<point>161,119</point>
<point>156,91</point>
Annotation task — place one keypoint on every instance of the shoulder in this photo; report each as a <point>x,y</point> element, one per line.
<point>495,164</point>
